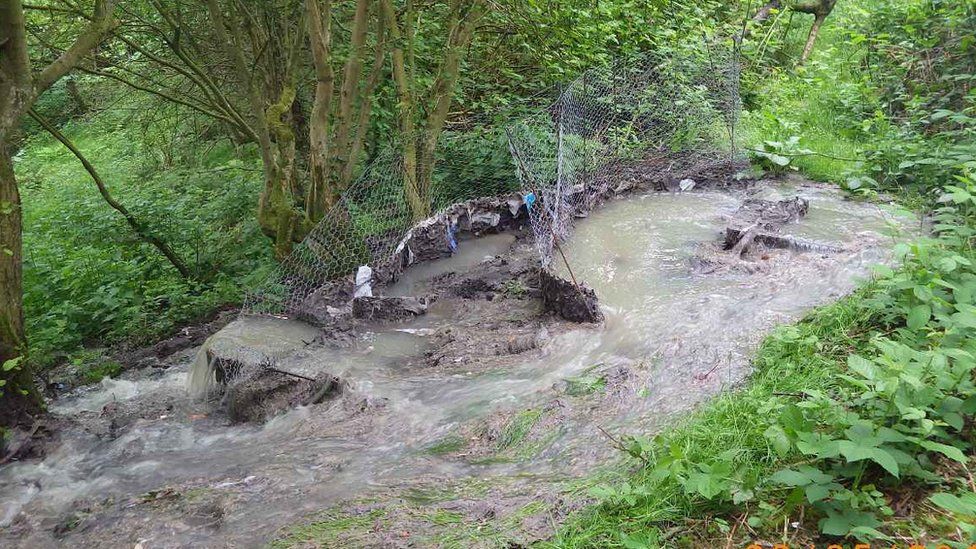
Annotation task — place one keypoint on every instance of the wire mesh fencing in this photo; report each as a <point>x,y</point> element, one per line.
<point>660,117</point>
<point>389,218</point>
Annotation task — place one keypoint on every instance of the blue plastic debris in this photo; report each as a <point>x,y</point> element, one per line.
<point>451,240</point>
<point>529,201</point>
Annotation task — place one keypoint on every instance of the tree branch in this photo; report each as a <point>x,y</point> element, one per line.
<point>162,94</point>
<point>102,24</point>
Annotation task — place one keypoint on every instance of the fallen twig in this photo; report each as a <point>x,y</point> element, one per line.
<point>972,483</point>
<point>319,395</point>
<point>731,540</point>
<point>703,377</point>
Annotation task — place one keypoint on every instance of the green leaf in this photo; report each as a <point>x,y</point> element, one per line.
<point>778,439</point>
<point>866,532</point>
<point>947,264</point>
<point>919,316</point>
<point>816,492</point>
<point>640,540</point>
<point>950,452</point>
<point>12,363</point>
<point>965,505</point>
<point>862,366</point>
<point>885,460</point>
<point>841,524</point>
<point>790,477</point>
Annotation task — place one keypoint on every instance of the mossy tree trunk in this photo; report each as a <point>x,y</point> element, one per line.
<point>13,343</point>
<point>294,200</point>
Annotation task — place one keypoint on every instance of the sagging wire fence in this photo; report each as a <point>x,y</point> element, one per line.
<point>660,118</point>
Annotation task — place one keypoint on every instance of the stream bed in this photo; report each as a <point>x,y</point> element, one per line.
<point>175,473</point>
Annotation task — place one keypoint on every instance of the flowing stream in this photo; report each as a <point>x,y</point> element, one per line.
<point>689,333</point>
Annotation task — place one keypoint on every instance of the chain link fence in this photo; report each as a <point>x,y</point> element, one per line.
<point>656,122</point>
<point>661,118</point>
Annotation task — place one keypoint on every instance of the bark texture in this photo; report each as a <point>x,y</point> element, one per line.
<point>19,89</point>
<point>12,341</point>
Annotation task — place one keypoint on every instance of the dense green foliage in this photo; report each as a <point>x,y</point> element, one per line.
<point>88,278</point>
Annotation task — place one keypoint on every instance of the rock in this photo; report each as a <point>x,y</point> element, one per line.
<point>388,308</point>
<point>267,393</point>
<point>245,345</point>
<point>576,304</point>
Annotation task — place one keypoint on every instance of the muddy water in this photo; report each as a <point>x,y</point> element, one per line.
<point>469,253</point>
<point>690,333</point>
<point>251,341</point>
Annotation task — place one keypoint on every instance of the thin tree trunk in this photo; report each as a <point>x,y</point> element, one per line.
<point>812,38</point>
<point>419,144</point>
<point>81,106</point>
<point>320,35</point>
<point>348,93</point>
<point>406,105</point>
<point>141,231</point>
<point>277,214</point>
<point>442,92</point>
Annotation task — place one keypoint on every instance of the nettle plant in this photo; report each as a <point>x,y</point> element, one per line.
<point>902,413</point>
<point>776,157</point>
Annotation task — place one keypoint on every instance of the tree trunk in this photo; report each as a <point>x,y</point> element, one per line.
<point>812,38</point>
<point>19,89</point>
<point>81,106</point>
<point>321,195</point>
<point>13,343</point>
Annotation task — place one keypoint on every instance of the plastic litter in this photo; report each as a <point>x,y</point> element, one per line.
<point>364,275</point>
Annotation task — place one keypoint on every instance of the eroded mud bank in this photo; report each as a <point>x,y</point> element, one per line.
<point>460,425</point>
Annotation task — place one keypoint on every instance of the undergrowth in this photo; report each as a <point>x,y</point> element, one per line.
<point>89,281</point>
<point>857,418</point>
